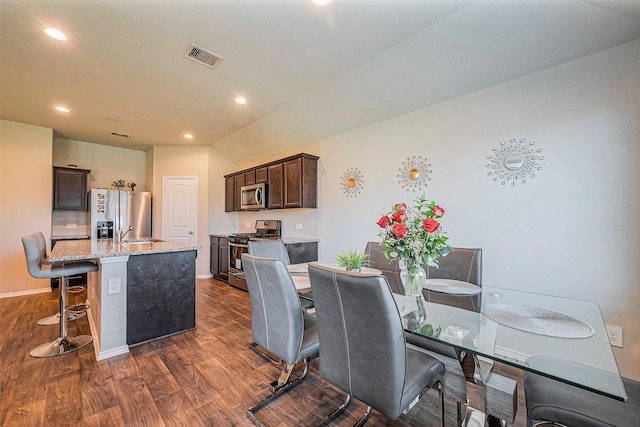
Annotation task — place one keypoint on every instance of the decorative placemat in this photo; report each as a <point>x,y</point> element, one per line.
<point>450,286</point>
<point>538,321</point>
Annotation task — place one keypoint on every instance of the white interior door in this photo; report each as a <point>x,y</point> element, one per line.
<point>179,208</point>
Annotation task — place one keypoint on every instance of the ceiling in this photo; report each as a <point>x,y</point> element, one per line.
<point>308,73</point>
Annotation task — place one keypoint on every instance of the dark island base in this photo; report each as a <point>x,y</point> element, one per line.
<point>161,290</point>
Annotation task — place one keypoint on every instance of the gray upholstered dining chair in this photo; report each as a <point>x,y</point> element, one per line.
<point>463,264</point>
<point>34,257</point>
<point>362,346</point>
<point>552,402</point>
<point>275,248</point>
<point>454,381</point>
<point>279,324</point>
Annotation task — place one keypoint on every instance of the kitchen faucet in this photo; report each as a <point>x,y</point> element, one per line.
<point>121,233</point>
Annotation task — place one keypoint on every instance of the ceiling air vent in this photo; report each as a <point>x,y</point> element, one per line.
<point>203,56</point>
<point>121,135</point>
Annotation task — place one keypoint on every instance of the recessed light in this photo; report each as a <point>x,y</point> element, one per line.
<point>62,109</point>
<point>188,136</point>
<point>241,100</point>
<point>56,34</point>
<point>320,2</point>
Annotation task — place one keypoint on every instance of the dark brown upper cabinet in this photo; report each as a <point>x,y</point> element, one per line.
<point>70,189</point>
<point>275,187</point>
<point>292,182</point>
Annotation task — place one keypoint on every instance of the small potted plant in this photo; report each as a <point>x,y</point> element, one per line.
<point>119,184</point>
<point>132,186</point>
<point>352,260</point>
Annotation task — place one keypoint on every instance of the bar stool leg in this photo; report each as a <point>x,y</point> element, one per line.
<point>71,316</point>
<point>63,344</point>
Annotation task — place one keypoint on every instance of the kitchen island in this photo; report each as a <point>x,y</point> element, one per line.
<point>142,290</point>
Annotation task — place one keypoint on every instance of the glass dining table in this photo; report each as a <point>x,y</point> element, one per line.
<point>560,338</point>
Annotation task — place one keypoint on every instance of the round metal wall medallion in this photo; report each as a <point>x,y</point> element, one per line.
<point>352,182</point>
<point>514,161</point>
<point>414,173</point>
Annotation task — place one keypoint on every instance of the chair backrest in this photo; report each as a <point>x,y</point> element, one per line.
<point>362,345</point>
<point>41,242</point>
<point>277,322</point>
<point>34,257</point>
<point>460,264</point>
<point>390,269</point>
<point>269,248</point>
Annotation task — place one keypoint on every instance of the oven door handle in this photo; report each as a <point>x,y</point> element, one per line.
<point>239,275</point>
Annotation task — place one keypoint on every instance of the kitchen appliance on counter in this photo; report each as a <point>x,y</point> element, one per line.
<point>114,210</point>
<point>239,244</point>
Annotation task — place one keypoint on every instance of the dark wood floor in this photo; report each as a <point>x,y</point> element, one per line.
<point>206,377</point>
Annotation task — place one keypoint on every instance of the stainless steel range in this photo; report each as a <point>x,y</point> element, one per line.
<point>238,245</point>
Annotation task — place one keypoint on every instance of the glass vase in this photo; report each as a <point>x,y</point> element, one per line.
<point>413,277</point>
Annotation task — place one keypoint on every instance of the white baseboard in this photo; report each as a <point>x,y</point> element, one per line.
<point>204,276</point>
<point>27,292</point>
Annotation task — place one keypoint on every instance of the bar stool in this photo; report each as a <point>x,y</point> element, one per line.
<point>63,344</point>
<point>55,318</point>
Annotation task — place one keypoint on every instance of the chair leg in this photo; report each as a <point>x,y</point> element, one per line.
<point>363,418</point>
<point>253,346</point>
<point>278,390</point>
<point>326,420</point>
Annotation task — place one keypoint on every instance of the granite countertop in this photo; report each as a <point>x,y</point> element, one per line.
<point>288,240</point>
<point>78,250</point>
<point>70,237</point>
<point>285,239</point>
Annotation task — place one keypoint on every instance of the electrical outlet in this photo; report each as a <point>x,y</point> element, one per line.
<point>615,335</point>
<point>248,224</point>
<point>114,286</point>
<point>298,226</point>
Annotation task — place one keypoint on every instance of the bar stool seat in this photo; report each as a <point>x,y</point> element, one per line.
<point>63,344</point>
<point>79,310</point>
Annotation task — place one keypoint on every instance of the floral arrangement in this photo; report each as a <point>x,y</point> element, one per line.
<point>414,234</point>
<point>120,183</point>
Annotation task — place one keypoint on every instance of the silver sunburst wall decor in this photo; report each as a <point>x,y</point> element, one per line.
<point>414,173</point>
<point>514,161</point>
<point>352,182</point>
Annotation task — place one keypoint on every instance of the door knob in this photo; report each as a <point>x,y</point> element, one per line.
<point>191,232</point>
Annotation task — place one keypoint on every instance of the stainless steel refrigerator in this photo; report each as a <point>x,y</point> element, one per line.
<point>113,210</point>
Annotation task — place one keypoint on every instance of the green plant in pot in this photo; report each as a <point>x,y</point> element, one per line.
<point>352,259</point>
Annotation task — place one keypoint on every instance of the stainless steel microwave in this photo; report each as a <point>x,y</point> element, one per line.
<point>253,197</point>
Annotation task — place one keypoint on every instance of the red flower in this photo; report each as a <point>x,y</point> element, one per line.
<point>384,221</point>
<point>400,230</point>
<point>437,211</point>
<point>430,225</point>
<point>399,216</point>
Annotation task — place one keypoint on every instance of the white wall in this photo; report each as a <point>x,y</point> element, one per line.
<point>201,162</point>
<point>571,231</point>
<point>25,201</point>
<point>107,164</point>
